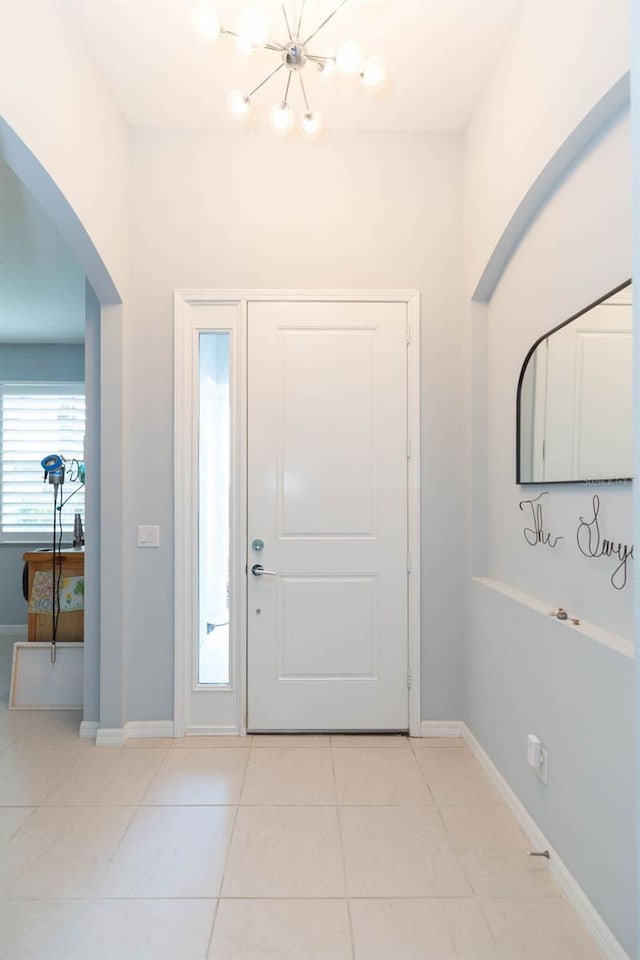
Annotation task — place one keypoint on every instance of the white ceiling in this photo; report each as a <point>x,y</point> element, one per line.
<point>439,54</point>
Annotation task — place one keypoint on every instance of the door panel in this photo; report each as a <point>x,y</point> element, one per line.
<point>327,474</point>
<point>327,493</point>
<point>312,642</point>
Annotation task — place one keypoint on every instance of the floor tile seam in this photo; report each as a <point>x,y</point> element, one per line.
<point>343,859</point>
<point>423,775</point>
<point>90,806</point>
<point>284,803</point>
<point>300,805</point>
<point>214,918</point>
<point>476,898</point>
<point>152,779</point>
<point>24,823</point>
<point>116,848</point>
<point>101,899</point>
<point>156,772</point>
<point>225,865</point>
<point>97,880</point>
<point>151,805</point>
<point>18,806</point>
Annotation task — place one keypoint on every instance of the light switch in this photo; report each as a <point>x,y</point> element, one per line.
<point>148,535</point>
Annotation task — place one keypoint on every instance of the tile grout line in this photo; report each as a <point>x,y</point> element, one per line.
<point>226,859</point>
<point>343,856</point>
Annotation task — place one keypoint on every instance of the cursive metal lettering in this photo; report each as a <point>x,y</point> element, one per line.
<point>592,544</point>
<point>536,534</point>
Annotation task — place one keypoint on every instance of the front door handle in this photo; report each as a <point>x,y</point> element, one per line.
<point>259,571</point>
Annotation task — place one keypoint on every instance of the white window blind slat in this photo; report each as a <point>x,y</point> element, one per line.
<point>37,419</point>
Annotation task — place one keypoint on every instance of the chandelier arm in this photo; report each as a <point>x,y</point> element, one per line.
<point>304,93</point>
<point>269,45</point>
<point>286,20</point>
<point>317,58</point>
<point>300,20</point>
<point>267,78</point>
<point>286,89</point>
<point>325,22</point>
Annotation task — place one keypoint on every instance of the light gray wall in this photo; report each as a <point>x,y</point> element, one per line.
<point>367,211</point>
<point>635,151</point>
<point>530,674</point>
<point>525,672</point>
<point>24,363</point>
<point>91,662</point>
<point>41,285</point>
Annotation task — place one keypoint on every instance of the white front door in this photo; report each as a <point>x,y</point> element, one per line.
<point>327,621</point>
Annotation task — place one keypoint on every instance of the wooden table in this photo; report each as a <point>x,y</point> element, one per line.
<point>70,624</point>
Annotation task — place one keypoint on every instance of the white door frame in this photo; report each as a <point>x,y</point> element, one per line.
<point>189,321</point>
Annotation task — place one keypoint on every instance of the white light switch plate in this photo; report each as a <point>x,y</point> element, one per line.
<point>148,535</point>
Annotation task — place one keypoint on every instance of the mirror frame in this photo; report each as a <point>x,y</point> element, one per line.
<point>549,333</point>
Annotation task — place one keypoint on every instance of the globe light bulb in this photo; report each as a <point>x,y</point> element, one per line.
<point>327,68</point>
<point>207,22</point>
<point>252,31</point>
<point>374,73</point>
<point>350,58</point>
<point>239,104</point>
<point>281,118</point>
<point>311,124</point>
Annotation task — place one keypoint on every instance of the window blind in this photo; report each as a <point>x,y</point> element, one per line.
<point>36,420</point>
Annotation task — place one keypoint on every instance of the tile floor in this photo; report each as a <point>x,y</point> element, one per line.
<point>264,848</point>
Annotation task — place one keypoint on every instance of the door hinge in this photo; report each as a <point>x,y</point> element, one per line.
<point>544,449</point>
<point>408,332</point>
<point>408,563</point>
<point>409,679</point>
<point>408,449</point>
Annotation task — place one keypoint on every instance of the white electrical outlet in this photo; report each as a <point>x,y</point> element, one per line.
<point>534,747</point>
<point>543,769</point>
<point>148,535</point>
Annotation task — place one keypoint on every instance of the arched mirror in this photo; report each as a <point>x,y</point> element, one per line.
<point>574,415</point>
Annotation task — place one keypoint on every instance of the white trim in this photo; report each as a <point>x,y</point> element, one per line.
<point>607,638</point>
<point>604,938</point>
<point>134,729</point>
<point>183,615</point>
<point>88,729</point>
<point>211,731</point>
<point>195,296</point>
<point>149,729</point>
<point>413,515</point>
<point>440,728</point>
<point>187,327</point>
<point>185,496</point>
<point>111,736</point>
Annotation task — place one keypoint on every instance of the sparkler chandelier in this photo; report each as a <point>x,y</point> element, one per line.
<point>295,54</point>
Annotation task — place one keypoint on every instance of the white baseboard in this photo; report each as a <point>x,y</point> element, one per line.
<point>604,938</point>
<point>118,736</point>
<point>441,728</point>
<point>111,737</point>
<point>152,729</point>
<point>213,731</point>
<point>88,729</point>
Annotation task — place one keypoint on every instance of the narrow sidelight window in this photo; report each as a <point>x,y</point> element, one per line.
<point>214,509</point>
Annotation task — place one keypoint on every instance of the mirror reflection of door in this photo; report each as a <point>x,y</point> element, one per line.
<point>575,398</point>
